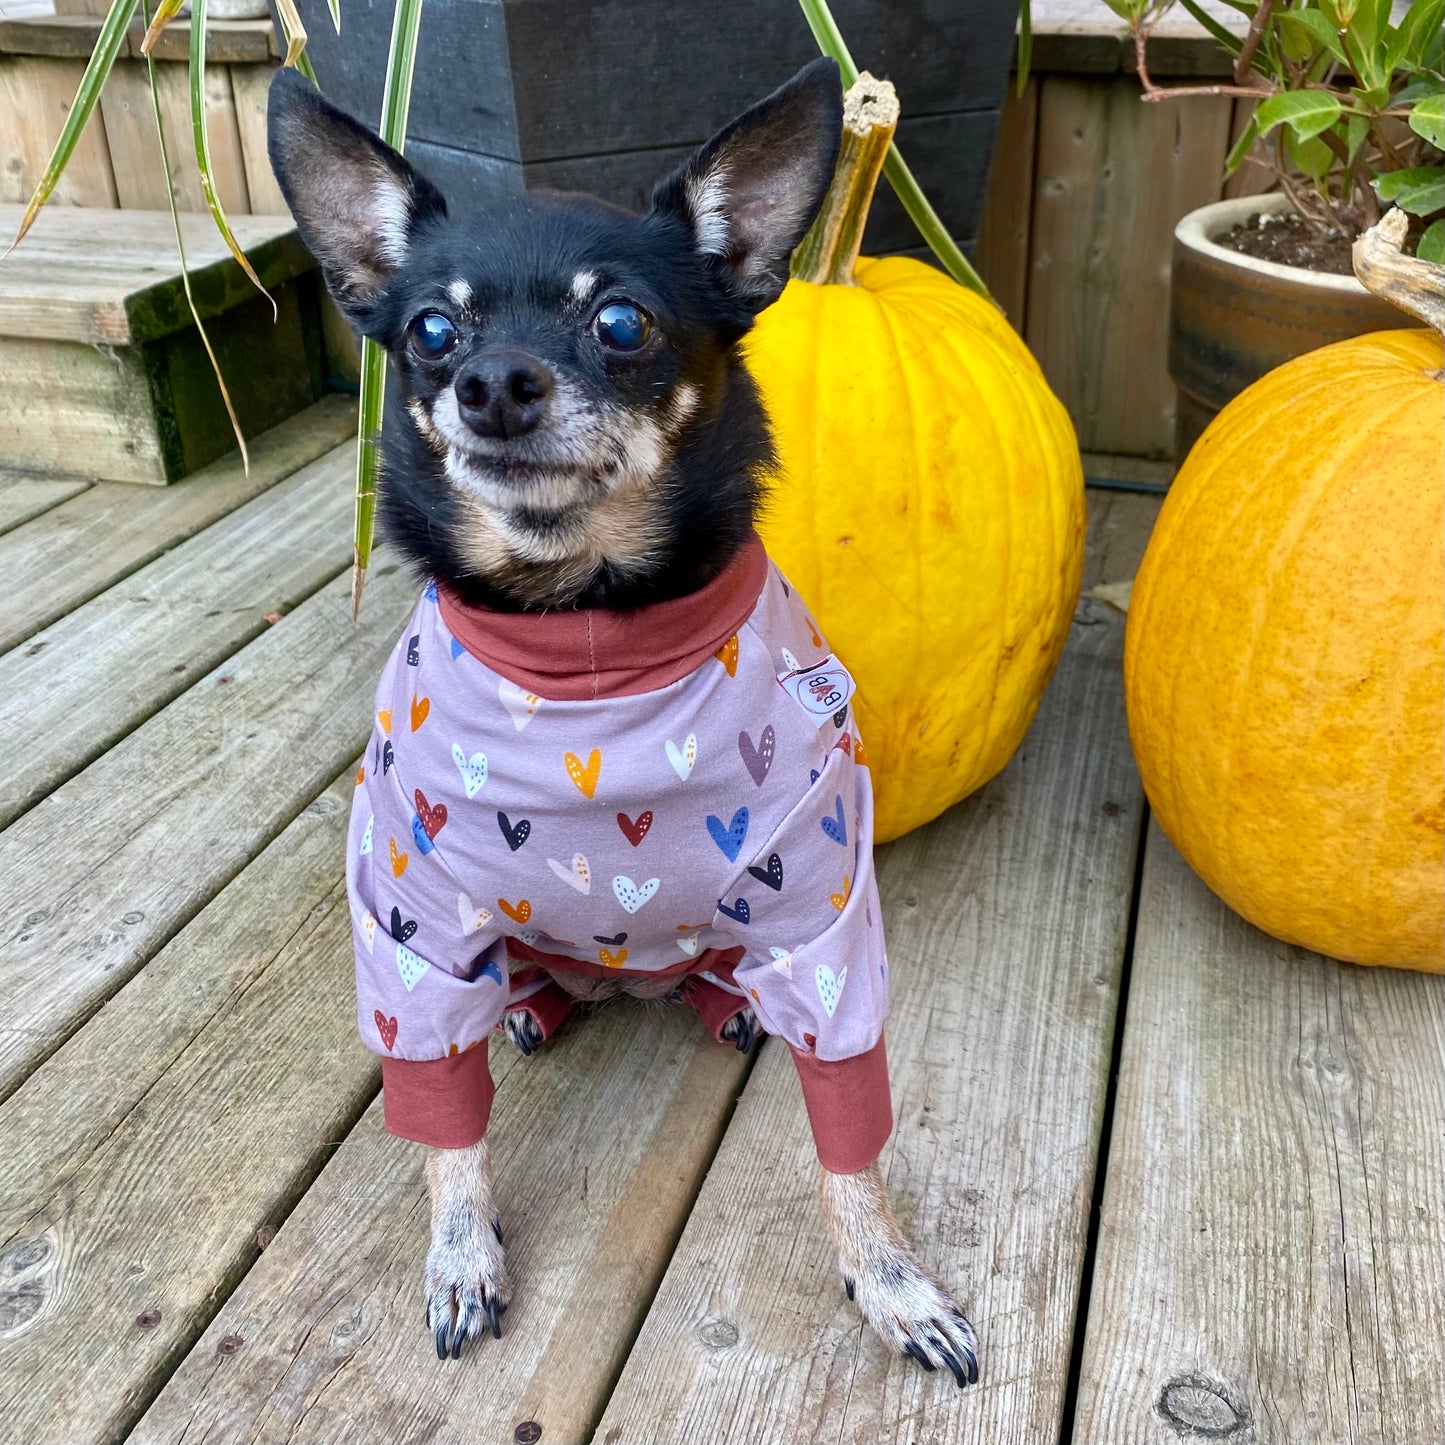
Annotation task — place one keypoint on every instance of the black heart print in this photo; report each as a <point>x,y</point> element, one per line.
<point>772,875</point>
<point>401,928</point>
<point>515,835</point>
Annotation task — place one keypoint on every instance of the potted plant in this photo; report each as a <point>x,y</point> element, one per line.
<point>1350,119</point>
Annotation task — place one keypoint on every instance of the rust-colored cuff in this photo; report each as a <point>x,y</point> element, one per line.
<point>713,1005</point>
<point>442,1102</point>
<point>849,1107</point>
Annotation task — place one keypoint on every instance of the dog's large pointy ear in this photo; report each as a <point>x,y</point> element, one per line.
<point>357,202</point>
<point>751,192</point>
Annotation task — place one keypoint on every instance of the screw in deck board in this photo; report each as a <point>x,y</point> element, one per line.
<point>147,1319</point>
<point>527,1433</point>
<point>229,1344</point>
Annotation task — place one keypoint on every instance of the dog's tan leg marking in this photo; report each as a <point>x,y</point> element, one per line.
<point>467,1289</point>
<point>907,1307</point>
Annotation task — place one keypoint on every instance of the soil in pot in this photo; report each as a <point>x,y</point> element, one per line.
<point>1287,241</point>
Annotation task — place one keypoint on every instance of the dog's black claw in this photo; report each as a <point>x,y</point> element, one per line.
<point>494,1315</point>
<point>441,1342</point>
<point>848,1287</point>
<point>914,1352</point>
<point>497,1228</point>
<point>951,1360</point>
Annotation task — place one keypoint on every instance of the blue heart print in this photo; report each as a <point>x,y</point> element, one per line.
<point>739,910</point>
<point>491,971</point>
<point>388,758</point>
<point>457,649</point>
<point>431,592</point>
<point>413,651</point>
<point>730,838</point>
<point>419,835</point>
<point>834,827</point>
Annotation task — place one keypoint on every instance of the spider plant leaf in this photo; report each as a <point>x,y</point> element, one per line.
<point>295,33</point>
<point>107,47</point>
<point>201,133</point>
<point>165,13</point>
<point>335,7</point>
<point>395,104</point>
<point>185,270</point>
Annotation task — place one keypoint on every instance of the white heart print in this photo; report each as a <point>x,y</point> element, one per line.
<point>782,960</point>
<point>473,769</point>
<point>630,896</point>
<point>365,847</point>
<point>830,986</point>
<point>577,874</point>
<point>689,944</point>
<point>410,966</point>
<point>682,758</point>
<point>368,932</point>
<point>472,917</point>
<point>520,703</point>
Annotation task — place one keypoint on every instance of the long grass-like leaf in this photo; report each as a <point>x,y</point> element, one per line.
<point>295,33</point>
<point>395,105</point>
<point>1026,46</point>
<point>166,11</point>
<point>112,38</point>
<point>185,272</point>
<point>906,188</point>
<point>201,133</point>
<point>335,7</point>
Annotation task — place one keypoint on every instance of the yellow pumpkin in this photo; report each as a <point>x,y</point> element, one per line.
<point>931,511</point>
<point>1283,661</point>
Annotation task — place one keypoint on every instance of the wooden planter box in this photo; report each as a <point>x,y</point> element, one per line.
<point>606,97</point>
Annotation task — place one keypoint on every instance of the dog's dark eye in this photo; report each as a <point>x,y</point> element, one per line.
<point>432,335</point>
<point>621,326</point>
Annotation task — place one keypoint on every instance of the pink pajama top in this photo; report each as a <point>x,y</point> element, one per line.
<point>675,790</point>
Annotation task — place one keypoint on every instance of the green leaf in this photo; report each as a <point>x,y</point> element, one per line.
<point>1427,118</point>
<point>107,47</point>
<point>1309,27</point>
<point>1421,22</point>
<point>1242,147</point>
<point>1394,183</point>
<point>1312,157</point>
<point>1357,129</point>
<point>335,7</point>
<point>1431,246</point>
<point>1227,38</point>
<point>1305,112</point>
<point>203,147</point>
<point>1423,200</point>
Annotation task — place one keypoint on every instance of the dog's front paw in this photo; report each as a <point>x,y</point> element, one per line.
<point>741,1029</point>
<point>523,1030</point>
<point>467,1289</point>
<point>911,1311</point>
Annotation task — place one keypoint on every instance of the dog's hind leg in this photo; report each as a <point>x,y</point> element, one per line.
<point>912,1312</point>
<point>467,1289</point>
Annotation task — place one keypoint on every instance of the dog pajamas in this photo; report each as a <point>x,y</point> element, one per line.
<point>678,791</point>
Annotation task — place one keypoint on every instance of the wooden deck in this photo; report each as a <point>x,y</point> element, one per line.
<point>1189,1182</point>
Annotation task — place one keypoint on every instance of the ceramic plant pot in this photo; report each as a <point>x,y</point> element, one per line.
<point>1233,318</point>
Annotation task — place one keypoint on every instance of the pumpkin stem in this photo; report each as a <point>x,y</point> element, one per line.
<point>825,256</point>
<point>1405,281</point>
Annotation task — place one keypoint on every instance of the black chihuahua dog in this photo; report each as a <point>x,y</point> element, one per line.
<point>570,428</point>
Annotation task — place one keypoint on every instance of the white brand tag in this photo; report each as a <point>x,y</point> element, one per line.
<point>820,690</point>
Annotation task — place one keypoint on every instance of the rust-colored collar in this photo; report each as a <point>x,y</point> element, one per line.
<point>573,656</point>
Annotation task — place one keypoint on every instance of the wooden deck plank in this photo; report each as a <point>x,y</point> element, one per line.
<point>106,869</point>
<point>1120,524</point>
<point>79,548</point>
<point>141,1160</point>
<point>600,1144</point>
<point>90,678</point>
<point>1272,1250</point>
<point>1002,253</point>
<point>24,495</point>
<point>1007,922</point>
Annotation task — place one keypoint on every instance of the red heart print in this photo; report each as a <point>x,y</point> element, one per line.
<point>386,1027</point>
<point>433,819</point>
<point>635,832</point>
<point>810,1041</point>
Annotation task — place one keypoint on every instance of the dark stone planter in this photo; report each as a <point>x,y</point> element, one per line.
<point>605,97</point>
<point>1233,318</point>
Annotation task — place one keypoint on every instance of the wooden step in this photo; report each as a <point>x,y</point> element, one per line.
<point>102,370</point>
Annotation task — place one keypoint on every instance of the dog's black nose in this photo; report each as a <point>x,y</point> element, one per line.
<point>502,393</point>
